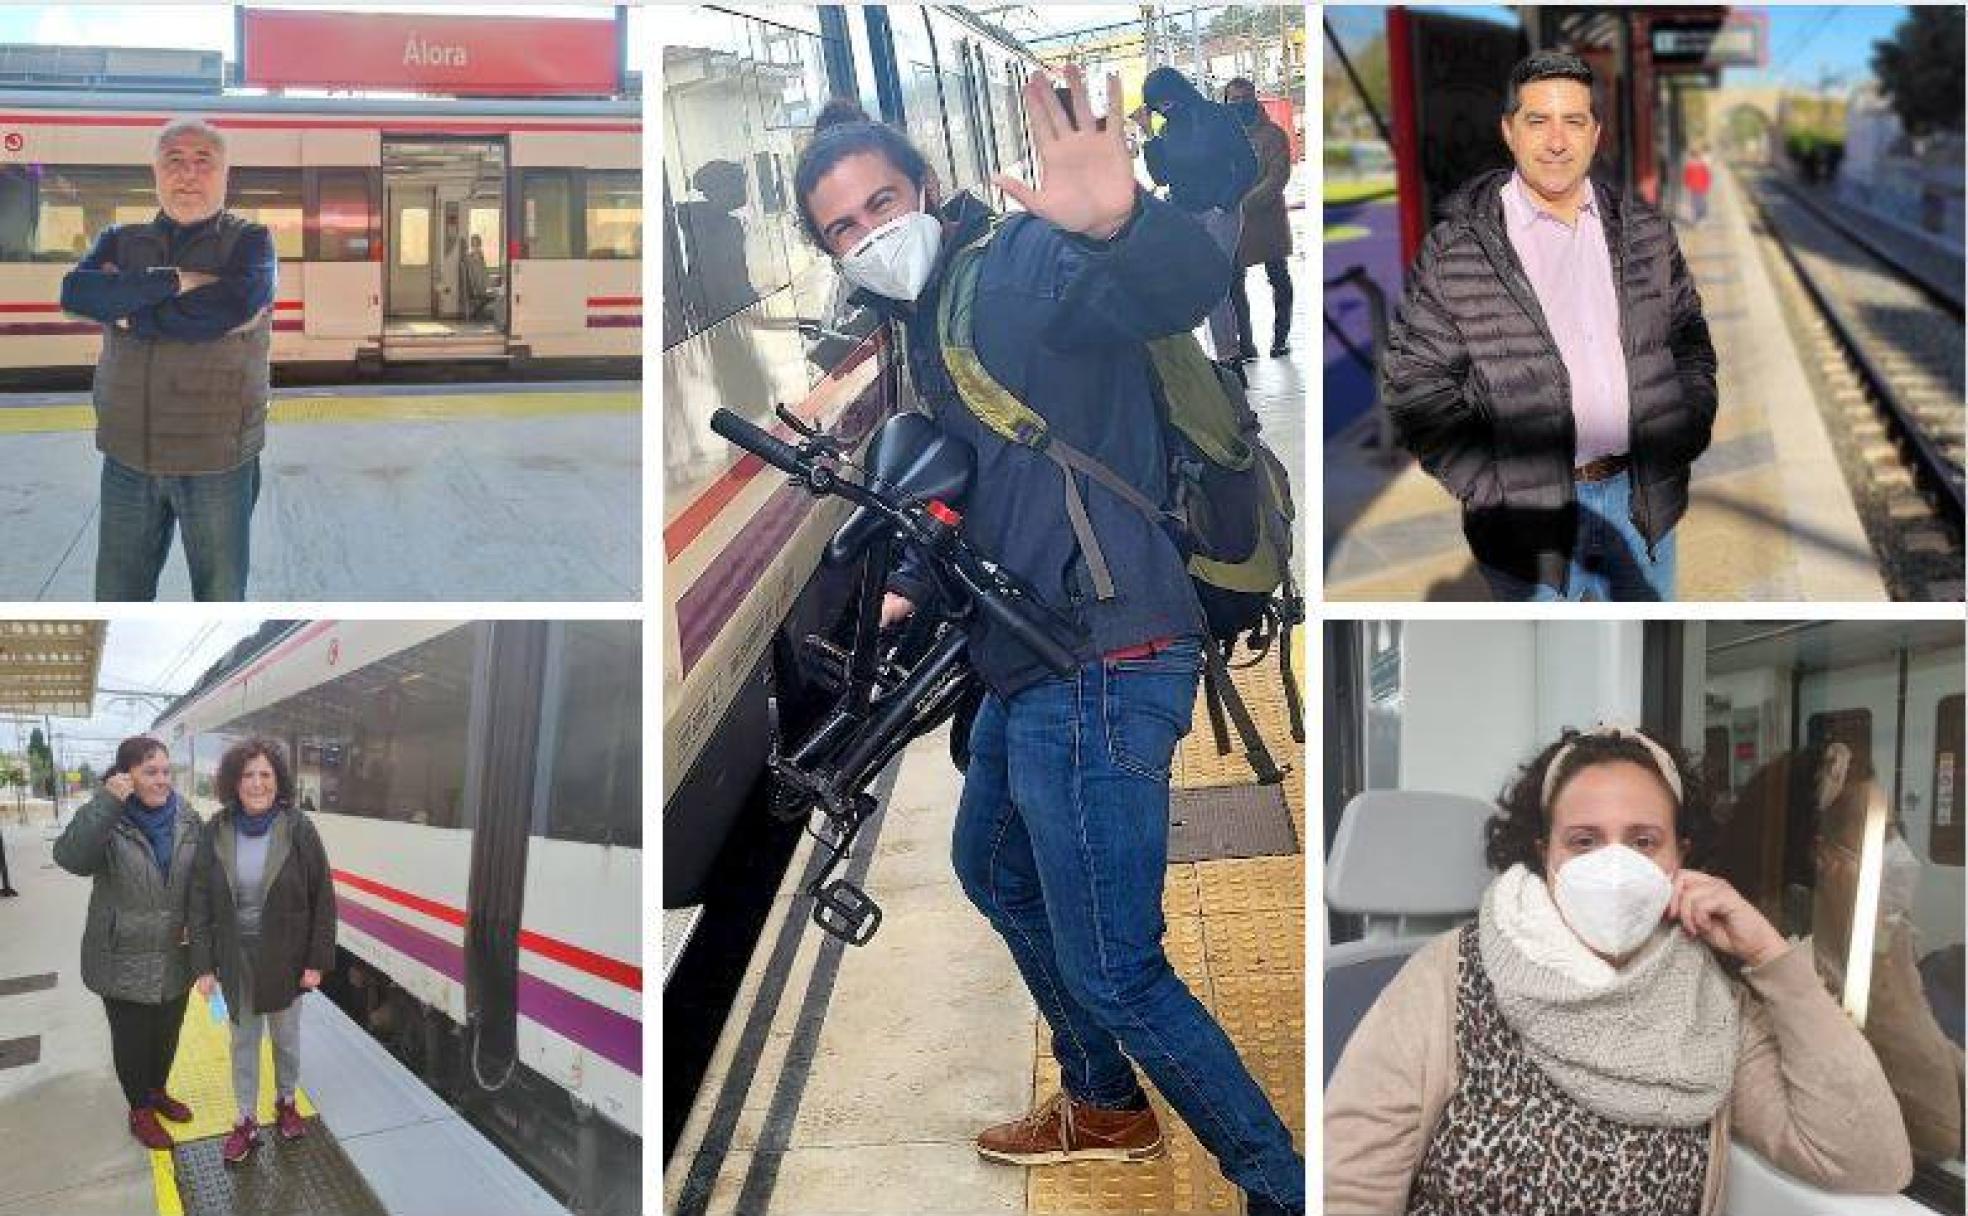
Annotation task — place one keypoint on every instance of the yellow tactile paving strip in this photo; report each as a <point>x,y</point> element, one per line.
<point>436,407</point>
<point>201,1078</point>
<point>1236,936</point>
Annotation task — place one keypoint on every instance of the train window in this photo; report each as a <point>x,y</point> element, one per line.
<point>595,795</point>
<point>547,213</point>
<point>1840,755</point>
<point>915,62</point>
<point>385,741</point>
<point>413,235</point>
<point>345,216</point>
<point>53,213</point>
<point>960,120</point>
<point>614,210</point>
<point>1007,111</point>
<point>724,127</point>
<point>271,197</point>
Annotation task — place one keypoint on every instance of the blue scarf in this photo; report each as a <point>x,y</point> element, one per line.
<point>156,826</point>
<point>253,825</point>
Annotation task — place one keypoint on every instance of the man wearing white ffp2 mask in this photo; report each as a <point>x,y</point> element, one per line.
<point>895,260</point>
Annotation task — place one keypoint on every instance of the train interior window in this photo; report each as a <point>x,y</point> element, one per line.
<point>595,794</point>
<point>385,741</point>
<point>52,213</point>
<point>547,213</point>
<point>271,197</point>
<point>413,235</point>
<point>614,211</point>
<point>345,216</point>
<point>1842,751</point>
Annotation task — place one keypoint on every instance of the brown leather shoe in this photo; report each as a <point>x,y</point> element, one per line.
<point>1064,1130</point>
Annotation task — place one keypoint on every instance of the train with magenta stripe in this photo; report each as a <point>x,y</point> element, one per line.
<point>479,790</point>
<point>754,317</point>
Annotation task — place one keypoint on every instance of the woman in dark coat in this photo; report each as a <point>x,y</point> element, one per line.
<point>262,928</point>
<point>138,843</point>
<point>1266,238</point>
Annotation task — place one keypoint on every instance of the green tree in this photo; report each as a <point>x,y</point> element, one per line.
<point>85,775</point>
<point>40,764</point>
<point>1921,69</point>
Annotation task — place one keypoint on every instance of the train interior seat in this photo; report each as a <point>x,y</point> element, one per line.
<point>1757,1188</point>
<point>1410,864</point>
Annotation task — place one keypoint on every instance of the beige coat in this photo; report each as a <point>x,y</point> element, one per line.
<point>1808,1095</point>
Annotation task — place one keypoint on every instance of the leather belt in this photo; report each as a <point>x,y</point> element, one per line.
<point>1603,469</point>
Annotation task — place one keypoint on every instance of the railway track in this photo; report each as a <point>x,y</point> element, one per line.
<point>1886,350</point>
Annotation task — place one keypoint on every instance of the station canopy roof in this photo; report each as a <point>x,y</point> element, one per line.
<point>50,667</point>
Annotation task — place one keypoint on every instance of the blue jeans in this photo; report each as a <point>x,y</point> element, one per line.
<point>1062,841</point>
<point>213,513</point>
<point>1609,556</point>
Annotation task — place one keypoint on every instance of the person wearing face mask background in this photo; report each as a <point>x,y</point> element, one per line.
<point>1061,836</point>
<point>1266,236</point>
<point>1611,1021</point>
<point>1205,159</point>
<point>262,929</point>
<point>138,843</point>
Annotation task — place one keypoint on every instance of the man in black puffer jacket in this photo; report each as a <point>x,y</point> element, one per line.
<point>1551,366</point>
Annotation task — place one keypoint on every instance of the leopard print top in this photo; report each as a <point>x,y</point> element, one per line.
<point>1511,1143</point>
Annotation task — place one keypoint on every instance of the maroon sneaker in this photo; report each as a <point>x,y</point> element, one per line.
<point>168,1107</point>
<point>288,1120</point>
<point>240,1141</point>
<point>148,1131</point>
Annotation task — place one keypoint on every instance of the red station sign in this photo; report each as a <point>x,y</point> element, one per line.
<point>430,53</point>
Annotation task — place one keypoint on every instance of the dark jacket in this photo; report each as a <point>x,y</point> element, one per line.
<point>1063,323</point>
<point>1201,154</point>
<point>297,918</point>
<point>133,943</point>
<point>1267,229</point>
<point>182,383</point>
<point>1477,390</point>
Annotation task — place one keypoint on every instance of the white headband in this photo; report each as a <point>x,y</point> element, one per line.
<point>1663,762</point>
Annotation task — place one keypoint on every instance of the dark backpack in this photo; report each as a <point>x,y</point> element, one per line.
<point>1231,515</point>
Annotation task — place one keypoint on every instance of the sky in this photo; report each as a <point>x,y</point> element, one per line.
<point>210,26</point>
<point>138,655</point>
<point>1806,43</point>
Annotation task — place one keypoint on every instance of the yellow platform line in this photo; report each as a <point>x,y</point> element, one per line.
<point>201,1078</point>
<point>444,407</point>
<point>1236,931</point>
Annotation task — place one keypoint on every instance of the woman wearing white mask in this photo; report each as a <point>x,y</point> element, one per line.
<point>1582,1048</point>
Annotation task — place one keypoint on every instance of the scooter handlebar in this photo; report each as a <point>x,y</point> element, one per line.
<point>759,442</point>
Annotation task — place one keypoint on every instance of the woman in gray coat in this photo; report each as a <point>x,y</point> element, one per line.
<point>262,928</point>
<point>138,843</point>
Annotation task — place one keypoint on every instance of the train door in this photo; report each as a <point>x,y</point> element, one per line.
<point>444,279</point>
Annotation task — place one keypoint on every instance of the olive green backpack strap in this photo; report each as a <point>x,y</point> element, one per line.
<point>1015,422</point>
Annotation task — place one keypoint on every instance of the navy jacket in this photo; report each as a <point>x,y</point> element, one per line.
<point>1202,155</point>
<point>1063,323</point>
<point>149,299</point>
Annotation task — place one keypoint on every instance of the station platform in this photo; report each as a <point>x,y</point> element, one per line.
<point>495,492</point>
<point>852,1081</point>
<point>1770,515</point>
<point>379,1143</point>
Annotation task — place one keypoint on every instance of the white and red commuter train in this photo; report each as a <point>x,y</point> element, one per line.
<point>478,789</point>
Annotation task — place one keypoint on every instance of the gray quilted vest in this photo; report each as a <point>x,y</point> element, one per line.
<point>171,408</point>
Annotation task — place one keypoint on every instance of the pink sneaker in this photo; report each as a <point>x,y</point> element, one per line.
<point>288,1120</point>
<point>240,1141</point>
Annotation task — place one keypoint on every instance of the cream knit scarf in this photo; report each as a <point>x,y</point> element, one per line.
<point>1651,1043</point>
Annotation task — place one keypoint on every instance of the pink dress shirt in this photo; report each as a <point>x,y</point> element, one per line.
<point>1571,270</point>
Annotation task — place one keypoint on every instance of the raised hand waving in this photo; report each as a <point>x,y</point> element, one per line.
<point>1086,177</point>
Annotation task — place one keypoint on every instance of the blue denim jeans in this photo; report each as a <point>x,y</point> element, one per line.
<point>1609,556</point>
<point>1062,841</point>
<point>212,512</point>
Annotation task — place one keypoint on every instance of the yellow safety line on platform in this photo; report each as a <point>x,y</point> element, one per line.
<point>448,407</point>
<point>201,1078</point>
